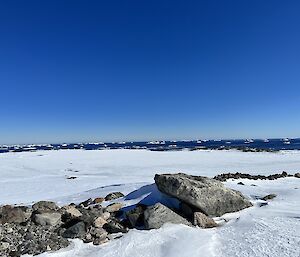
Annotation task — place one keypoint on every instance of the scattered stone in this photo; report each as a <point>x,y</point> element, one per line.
<point>114,195</point>
<point>29,239</point>
<point>297,175</point>
<point>105,215</point>
<point>241,183</point>
<point>209,195</point>
<point>99,222</point>
<point>76,231</point>
<point>45,206</point>
<point>114,207</point>
<point>268,197</point>
<point>47,218</point>
<point>224,176</point>
<point>98,200</point>
<point>157,215</point>
<point>4,246</point>
<point>203,221</point>
<point>72,211</point>
<point>113,226</point>
<point>99,233</point>
<point>99,241</point>
<point>72,177</point>
<point>87,202</point>
<point>88,238</point>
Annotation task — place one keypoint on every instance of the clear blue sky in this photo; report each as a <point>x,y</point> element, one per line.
<point>141,70</point>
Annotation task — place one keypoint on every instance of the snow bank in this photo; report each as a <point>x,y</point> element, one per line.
<point>170,240</point>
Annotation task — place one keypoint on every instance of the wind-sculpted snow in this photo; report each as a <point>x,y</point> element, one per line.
<point>33,176</point>
<point>168,241</point>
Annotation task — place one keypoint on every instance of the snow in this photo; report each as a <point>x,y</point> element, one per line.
<point>271,230</point>
<point>170,240</point>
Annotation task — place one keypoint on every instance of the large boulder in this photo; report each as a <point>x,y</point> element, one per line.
<point>78,230</point>
<point>157,215</point>
<point>209,195</point>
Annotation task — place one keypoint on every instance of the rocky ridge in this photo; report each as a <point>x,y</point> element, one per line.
<point>48,227</point>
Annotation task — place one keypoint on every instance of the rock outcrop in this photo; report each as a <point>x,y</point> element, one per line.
<point>47,227</point>
<point>224,176</point>
<point>211,197</point>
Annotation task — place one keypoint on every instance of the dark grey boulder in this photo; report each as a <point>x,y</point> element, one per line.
<point>10,214</point>
<point>157,215</point>
<point>209,195</point>
<point>76,231</point>
<point>114,226</point>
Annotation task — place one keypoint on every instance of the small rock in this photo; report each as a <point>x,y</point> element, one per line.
<point>88,238</point>
<point>99,241</point>
<point>51,219</point>
<point>297,175</point>
<point>98,200</point>
<point>99,222</point>
<point>157,215</point>
<point>268,197</point>
<point>72,211</point>
<point>4,246</point>
<point>76,231</point>
<point>87,202</point>
<point>105,215</point>
<point>113,226</point>
<point>98,233</point>
<point>72,177</point>
<point>45,206</point>
<point>241,183</point>
<point>114,195</point>
<point>114,207</point>
<point>203,221</point>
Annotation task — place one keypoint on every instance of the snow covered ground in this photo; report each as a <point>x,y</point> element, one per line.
<point>272,230</point>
